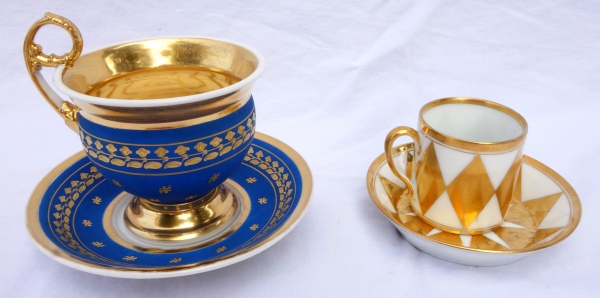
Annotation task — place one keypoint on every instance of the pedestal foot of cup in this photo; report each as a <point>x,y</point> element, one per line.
<point>180,222</point>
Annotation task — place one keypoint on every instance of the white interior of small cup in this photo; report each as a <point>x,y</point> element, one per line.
<point>474,123</point>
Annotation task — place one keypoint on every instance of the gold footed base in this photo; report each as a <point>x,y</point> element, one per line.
<point>181,221</point>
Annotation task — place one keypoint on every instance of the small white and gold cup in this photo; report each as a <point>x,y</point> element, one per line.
<point>468,157</point>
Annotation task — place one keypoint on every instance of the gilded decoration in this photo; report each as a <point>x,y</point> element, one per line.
<point>282,180</point>
<point>519,232</point>
<point>274,169</point>
<point>97,200</point>
<point>168,156</point>
<point>63,211</point>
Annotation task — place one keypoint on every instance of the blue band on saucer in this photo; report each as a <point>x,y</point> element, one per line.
<point>72,208</point>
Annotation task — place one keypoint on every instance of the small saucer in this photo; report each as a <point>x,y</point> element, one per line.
<point>544,211</point>
<point>71,217</point>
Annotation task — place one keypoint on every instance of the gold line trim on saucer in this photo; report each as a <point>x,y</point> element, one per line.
<point>164,125</point>
<point>50,249</point>
<point>576,208</point>
<point>471,145</point>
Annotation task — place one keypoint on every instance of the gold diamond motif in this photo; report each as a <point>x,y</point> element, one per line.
<point>539,208</point>
<point>542,234</point>
<point>517,190</point>
<point>520,215</point>
<point>470,191</point>
<point>409,164</point>
<point>430,183</point>
<point>448,238</point>
<point>482,242</point>
<point>415,224</point>
<point>392,190</point>
<point>505,190</point>
<point>515,238</point>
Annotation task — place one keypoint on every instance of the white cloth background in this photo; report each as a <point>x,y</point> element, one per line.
<point>340,75</point>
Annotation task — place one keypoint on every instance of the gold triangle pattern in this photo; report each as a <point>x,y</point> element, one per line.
<point>470,191</point>
<point>539,208</point>
<point>505,190</point>
<point>483,242</point>
<point>520,215</point>
<point>515,238</point>
<point>403,205</point>
<point>392,190</point>
<point>430,181</point>
<point>415,224</point>
<point>517,190</point>
<point>542,234</point>
<point>527,214</point>
<point>409,164</point>
<point>447,238</point>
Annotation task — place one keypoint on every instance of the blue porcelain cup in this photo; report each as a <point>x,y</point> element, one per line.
<point>164,119</point>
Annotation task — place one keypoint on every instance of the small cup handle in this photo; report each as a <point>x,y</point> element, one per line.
<point>35,59</point>
<point>389,143</point>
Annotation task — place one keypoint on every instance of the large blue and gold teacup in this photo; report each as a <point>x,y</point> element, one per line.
<point>166,120</point>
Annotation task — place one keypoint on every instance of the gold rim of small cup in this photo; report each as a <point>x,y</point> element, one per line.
<point>567,188</point>
<point>473,145</point>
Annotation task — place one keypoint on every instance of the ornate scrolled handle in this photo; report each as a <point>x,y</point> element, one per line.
<point>389,143</point>
<point>35,59</point>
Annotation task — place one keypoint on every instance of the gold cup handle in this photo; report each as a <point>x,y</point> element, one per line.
<point>389,143</point>
<point>35,59</point>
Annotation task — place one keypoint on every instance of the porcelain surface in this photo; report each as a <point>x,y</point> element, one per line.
<point>67,217</point>
<point>544,210</point>
<point>172,165</point>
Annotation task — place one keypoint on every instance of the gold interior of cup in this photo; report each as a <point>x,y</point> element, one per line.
<point>161,68</point>
<point>174,66</point>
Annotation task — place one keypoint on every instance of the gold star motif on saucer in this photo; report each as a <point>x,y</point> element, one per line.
<point>98,244</point>
<point>262,201</point>
<point>175,260</point>
<point>87,223</point>
<point>97,200</point>
<point>214,177</point>
<point>254,227</point>
<point>130,258</point>
<point>251,180</point>
<point>116,183</point>
<point>221,249</point>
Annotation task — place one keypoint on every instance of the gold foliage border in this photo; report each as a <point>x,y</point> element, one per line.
<point>63,211</point>
<point>51,249</point>
<point>282,180</point>
<point>95,149</point>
